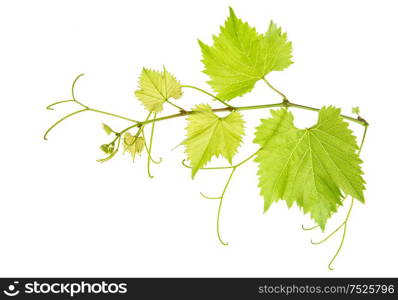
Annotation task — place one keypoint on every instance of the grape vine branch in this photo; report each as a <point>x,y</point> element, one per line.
<point>316,168</point>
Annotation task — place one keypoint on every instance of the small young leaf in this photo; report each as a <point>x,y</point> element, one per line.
<point>355,110</point>
<point>240,56</point>
<point>310,167</point>
<point>133,144</point>
<point>107,129</point>
<point>209,135</point>
<point>107,148</point>
<point>157,87</point>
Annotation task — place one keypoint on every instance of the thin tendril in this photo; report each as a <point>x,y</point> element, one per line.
<point>85,108</point>
<point>344,223</point>
<point>149,150</point>
<point>349,211</point>
<point>73,85</point>
<point>309,228</point>
<point>329,236</point>
<point>221,198</point>
<point>148,167</point>
<point>62,119</point>
<point>49,107</point>
<point>73,90</point>
<point>209,168</point>
<point>315,226</point>
<point>234,167</point>
<point>223,168</point>
<point>343,237</point>
<point>207,197</point>
<point>220,205</point>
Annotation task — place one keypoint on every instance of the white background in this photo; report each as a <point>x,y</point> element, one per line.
<point>64,214</point>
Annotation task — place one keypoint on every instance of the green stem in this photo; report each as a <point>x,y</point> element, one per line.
<point>229,108</point>
<point>247,159</point>
<point>207,93</point>
<point>287,103</point>
<point>358,121</point>
<point>274,89</point>
<point>62,119</point>
<point>242,108</point>
<point>141,127</point>
<point>363,139</point>
<point>175,105</point>
<point>253,107</point>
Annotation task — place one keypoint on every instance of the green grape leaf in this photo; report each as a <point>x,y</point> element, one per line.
<point>311,167</point>
<point>156,88</point>
<point>209,135</point>
<point>240,56</point>
<point>133,144</point>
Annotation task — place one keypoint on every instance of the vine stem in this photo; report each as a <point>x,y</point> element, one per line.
<point>284,103</point>
<point>243,108</point>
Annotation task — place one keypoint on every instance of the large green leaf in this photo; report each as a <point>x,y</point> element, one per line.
<point>240,56</point>
<point>311,167</point>
<point>209,135</point>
